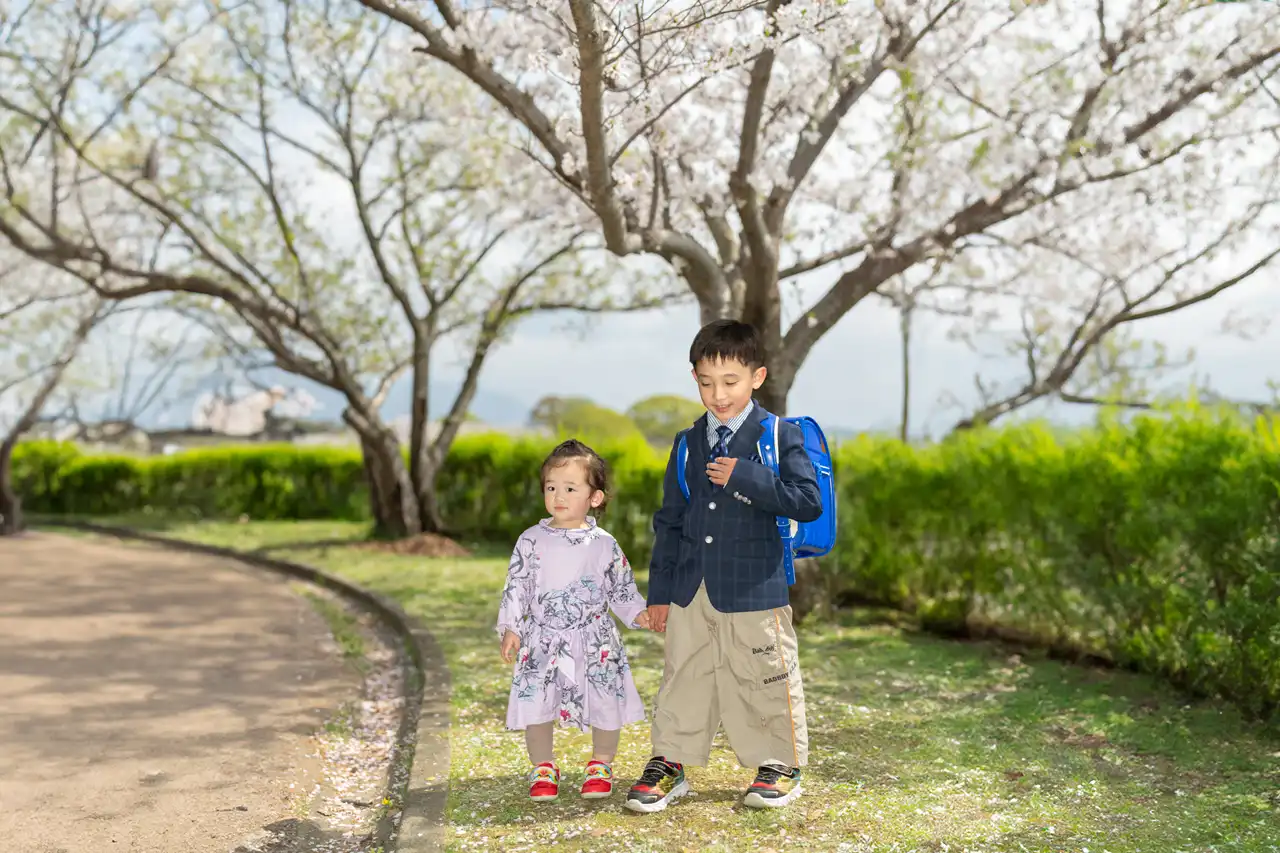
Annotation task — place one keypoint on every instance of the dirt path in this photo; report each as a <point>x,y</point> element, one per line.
<point>154,701</point>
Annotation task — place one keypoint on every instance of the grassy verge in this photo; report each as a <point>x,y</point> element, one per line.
<point>343,625</point>
<point>918,744</point>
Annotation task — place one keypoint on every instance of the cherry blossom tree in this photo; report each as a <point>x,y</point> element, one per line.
<point>140,360</point>
<point>297,182</point>
<point>44,323</point>
<point>1105,157</point>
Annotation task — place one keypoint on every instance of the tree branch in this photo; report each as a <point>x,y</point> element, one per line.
<point>518,103</point>
<point>1080,345</point>
<point>56,370</point>
<point>591,85</point>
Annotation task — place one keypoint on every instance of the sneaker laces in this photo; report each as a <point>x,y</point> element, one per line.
<point>654,772</point>
<point>770,775</point>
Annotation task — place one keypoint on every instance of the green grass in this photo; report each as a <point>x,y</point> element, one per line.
<point>343,625</point>
<point>917,744</point>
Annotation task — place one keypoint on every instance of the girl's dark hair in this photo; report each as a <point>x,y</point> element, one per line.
<point>727,340</point>
<point>597,471</point>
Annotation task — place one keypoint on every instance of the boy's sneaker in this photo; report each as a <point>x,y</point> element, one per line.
<point>773,788</point>
<point>662,782</point>
<point>599,781</point>
<point>544,782</point>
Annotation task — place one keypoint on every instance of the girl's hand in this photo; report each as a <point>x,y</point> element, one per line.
<point>510,645</point>
<point>642,621</point>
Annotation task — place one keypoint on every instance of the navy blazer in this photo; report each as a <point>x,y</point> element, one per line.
<point>727,537</point>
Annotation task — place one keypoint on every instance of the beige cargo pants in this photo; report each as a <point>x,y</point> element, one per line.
<point>739,669</point>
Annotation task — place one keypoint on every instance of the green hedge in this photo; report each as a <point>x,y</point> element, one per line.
<point>1154,543</point>
<point>488,490</point>
<point>265,483</point>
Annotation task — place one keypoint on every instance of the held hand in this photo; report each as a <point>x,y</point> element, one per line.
<point>658,617</point>
<point>510,645</point>
<point>643,621</point>
<point>721,469</point>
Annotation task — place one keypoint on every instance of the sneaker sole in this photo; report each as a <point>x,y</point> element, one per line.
<point>681,789</point>
<point>597,795</point>
<point>544,798</point>
<point>754,801</point>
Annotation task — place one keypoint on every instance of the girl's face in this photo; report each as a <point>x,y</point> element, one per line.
<point>568,494</point>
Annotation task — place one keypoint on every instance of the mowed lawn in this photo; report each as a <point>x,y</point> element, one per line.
<point>918,744</point>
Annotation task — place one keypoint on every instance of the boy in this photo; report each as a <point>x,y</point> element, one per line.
<point>718,588</point>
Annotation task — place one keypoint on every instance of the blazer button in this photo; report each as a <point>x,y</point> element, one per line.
<point>707,540</point>
<point>711,505</point>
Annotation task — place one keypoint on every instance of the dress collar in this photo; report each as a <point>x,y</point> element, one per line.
<point>578,534</point>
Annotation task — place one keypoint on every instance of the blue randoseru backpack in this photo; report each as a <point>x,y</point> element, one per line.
<point>812,538</point>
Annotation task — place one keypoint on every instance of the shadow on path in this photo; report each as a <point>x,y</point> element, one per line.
<point>154,701</point>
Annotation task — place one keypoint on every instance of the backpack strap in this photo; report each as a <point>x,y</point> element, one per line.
<point>767,447</point>
<point>682,462</point>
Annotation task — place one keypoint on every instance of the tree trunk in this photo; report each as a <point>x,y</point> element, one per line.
<point>777,386</point>
<point>391,496</point>
<point>419,418</point>
<point>10,504</point>
<point>905,325</point>
<point>429,513</point>
<point>773,396</point>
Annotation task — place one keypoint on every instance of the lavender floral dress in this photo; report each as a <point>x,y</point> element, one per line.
<point>572,666</point>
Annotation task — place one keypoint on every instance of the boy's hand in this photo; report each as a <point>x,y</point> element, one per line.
<point>658,617</point>
<point>643,621</point>
<point>510,645</point>
<point>721,469</point>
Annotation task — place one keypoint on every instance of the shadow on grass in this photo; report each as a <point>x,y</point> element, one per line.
<point>312,544</point>
<point>148,522</point>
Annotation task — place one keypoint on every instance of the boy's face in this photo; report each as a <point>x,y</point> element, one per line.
<point>568,495</point>
<point>725,386</point>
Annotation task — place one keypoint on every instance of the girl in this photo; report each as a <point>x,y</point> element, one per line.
<point>570,665</point>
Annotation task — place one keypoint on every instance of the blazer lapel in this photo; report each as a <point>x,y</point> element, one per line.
<point>697,443</point>
<point>744,440</point>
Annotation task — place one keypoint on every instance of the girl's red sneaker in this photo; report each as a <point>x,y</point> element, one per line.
<point>544,782</point>
<point>599,781</point>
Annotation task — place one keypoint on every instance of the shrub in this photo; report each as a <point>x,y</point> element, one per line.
<point>1153,544</point>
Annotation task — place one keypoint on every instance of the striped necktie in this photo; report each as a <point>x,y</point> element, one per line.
<point>722,446</point>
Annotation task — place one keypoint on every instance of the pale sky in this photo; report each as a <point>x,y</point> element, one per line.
<point>852,379</point>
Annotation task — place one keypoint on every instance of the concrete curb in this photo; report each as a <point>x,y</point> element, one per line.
<point>422,743</point>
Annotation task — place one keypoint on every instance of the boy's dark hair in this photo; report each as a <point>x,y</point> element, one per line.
<point>597,470</point>
<point>727,340</point>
